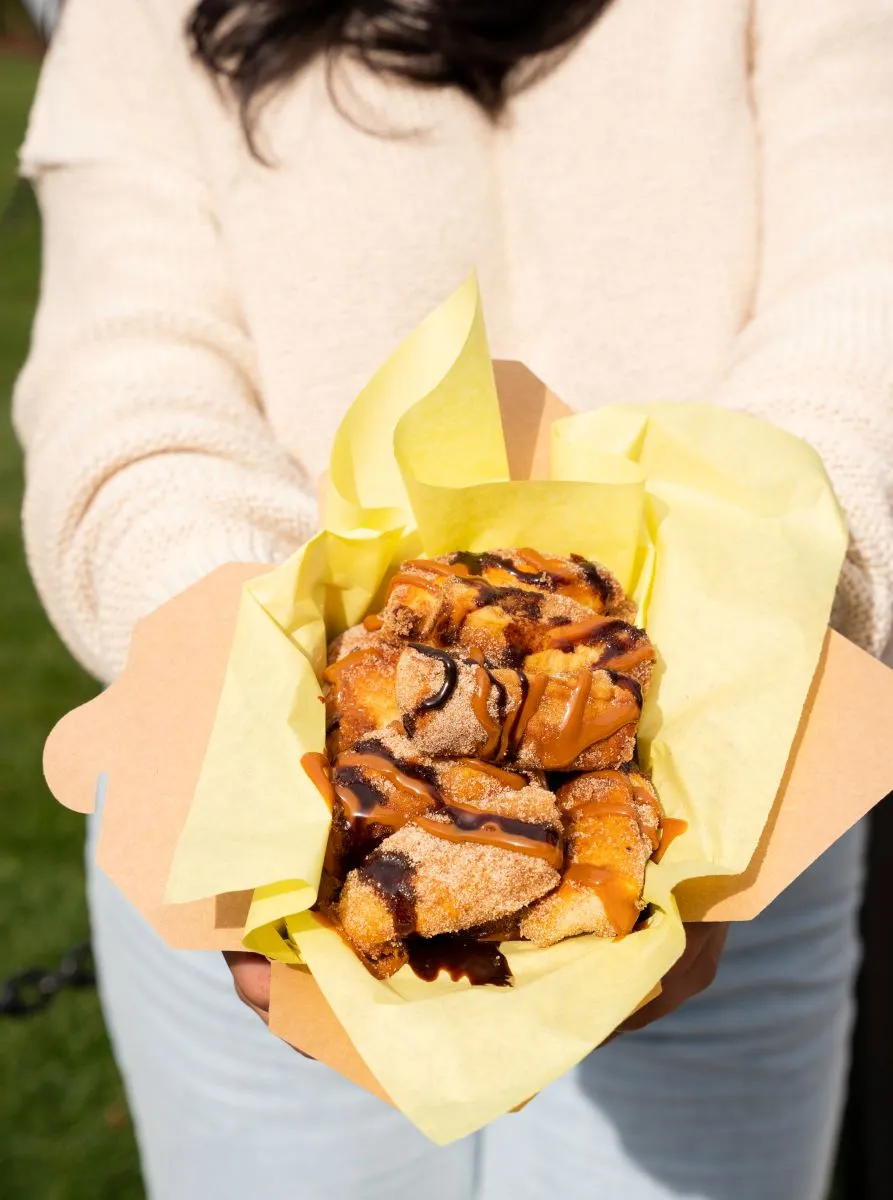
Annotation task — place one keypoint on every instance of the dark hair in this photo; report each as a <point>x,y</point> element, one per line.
<point>474,45</point>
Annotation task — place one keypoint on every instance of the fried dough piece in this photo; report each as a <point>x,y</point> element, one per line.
<point>379,783</point>
<point>599,644</point>
<point>423,603</point>
<point>580,721</point>
<point>629,787</point>
<point>521,593</point>
<point>588,583</point>
<point>450,704</point>
<point>430,606</point>
<point>392,771</point>
<point>516,624</point>
<point>426,882</point>
<point>412,782</point>
<point>613,829</point>
<point>454,706</point>
<point>472,781</point>
<point>383,781</point>
<point>360,696</point>
<point>509,616</point>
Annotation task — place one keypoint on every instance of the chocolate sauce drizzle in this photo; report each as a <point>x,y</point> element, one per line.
<point>489,828</point>
<point>450,678</point>
<point>546,577</point>
<point>593,577</point>
<point>503,737</point>
<point>461,958</point>
<point>476,564</point>
<point>391,874</point>
<point>363,817</point>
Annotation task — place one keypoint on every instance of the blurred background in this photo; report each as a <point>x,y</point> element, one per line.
<point>64,1129</point>
<point>65,1133</point>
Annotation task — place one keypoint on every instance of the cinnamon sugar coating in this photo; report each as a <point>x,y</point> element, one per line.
<point>455,887</point>
<point>613,827</point>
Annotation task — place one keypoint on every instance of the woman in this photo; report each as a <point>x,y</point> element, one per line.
<point>664,202</point>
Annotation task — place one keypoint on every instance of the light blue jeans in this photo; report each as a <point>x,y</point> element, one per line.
<point>737,1096</point>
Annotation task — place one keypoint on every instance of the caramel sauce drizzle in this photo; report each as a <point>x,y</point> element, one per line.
<point>618,894</point>
<point>484,684</point>
<point>578,631</point>
<point>533,689</point>
<point>401,578</point>
<point>333,670</point>
<point>491,829</point>
<point>578,731</point>
<point>629,659</point>
<point>386,766</point>
<point>548,566</point>
<point>604,808</point>
<point>434,568</point>
<point>508,779</point>
<point>623,800</point>
<point>360,801</point>
<point>672,828</point>
<point>319,772</point>
<point>357,807</point>
<point>619,657</point>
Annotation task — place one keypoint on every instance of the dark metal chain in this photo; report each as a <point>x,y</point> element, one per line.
<point>30,991</point>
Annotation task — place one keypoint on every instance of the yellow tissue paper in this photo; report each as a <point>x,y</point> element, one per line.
<point>727,533</point>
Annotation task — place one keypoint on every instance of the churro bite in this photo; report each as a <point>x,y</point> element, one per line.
<point>599,644</point>
<point>519,623</point>
<point>430,880</point>
<point>360,695</point>
<point>613,828</point>
<point>588,583</point>
<point>445,711</point>
<point>432,599</point>
<point>580,721</point>
<point>451,704</point>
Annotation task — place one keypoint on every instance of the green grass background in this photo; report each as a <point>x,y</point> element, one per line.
<point>64,1129</point>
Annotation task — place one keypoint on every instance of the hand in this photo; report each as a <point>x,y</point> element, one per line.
<point>694,972</point>
<point>251,977</point>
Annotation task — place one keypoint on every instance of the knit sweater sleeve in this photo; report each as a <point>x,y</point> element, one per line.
<point>149,459</point>
<point>817,355</point>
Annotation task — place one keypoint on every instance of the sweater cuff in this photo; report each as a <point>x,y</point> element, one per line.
<point>182,565</point>
<point>189,561</point>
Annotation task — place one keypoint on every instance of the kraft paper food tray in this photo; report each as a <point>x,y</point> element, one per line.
<point>140,746</point>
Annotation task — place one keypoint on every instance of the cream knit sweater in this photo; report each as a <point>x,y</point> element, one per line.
<point>697,203</point>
